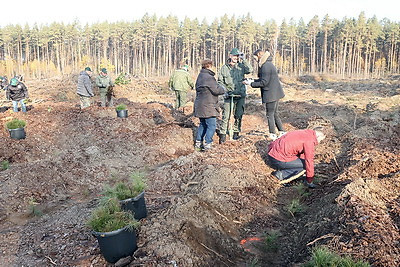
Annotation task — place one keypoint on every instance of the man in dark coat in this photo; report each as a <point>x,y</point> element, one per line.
<point>271,91</point>
<point>206,104</point>
<point>17,92</point>
<point>85,88</point>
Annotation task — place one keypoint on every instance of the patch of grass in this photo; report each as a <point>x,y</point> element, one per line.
<point>33,210</point>
<point>322,256</point>
<point>295,207</point>
<point>122,190</point>
<point>109,217</point>
<point>120,107</point>
<point>254,262</point>
<point>5,165</point>
<point>15,124</point>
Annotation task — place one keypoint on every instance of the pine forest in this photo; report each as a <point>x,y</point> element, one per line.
<point>154,46</point>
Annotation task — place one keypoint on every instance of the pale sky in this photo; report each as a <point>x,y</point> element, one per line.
<point>47,11</point>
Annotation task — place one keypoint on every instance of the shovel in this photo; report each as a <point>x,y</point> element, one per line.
<point>231,122</point>
<point>294,177</point>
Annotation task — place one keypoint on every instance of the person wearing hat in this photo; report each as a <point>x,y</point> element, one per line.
<point>271,91</point>
<point>17,92</point>
<point>105,84</point>
<point>231,76</point>
<point>180,82</point>
<point>85,89</point>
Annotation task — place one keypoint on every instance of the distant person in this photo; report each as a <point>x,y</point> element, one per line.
<point>294,152</point>
<point>180,82</point>
<point>206,105</point>
<point>231,76</point>
<point>105,84</point>
<point>271,91</point>
<point>85,89</point>
<point>17,92</point>
<point>3,82</point>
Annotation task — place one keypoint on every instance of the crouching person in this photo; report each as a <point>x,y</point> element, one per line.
<point>293,153</point>
<point>206,105</point>
<point>17,92</point>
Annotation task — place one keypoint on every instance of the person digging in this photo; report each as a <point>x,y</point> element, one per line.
<point>292,155</point>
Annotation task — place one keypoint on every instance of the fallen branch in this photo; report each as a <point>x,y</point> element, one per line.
<point>337,165</point>
<point>51,261</point>
<point>319,238</point>
<point>223,216</point>
<point>216,253</point>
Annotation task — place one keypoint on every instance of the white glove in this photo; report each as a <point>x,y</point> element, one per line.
<point>248,81</point>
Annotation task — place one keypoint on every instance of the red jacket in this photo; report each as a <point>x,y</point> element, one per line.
<point>293,145</point>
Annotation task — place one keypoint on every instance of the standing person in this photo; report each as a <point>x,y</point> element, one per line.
<point>105,84</point>
<point>271,91</point>
<point>85,90</point>
<point>17,92</point>
<point>294,152</point>
<point>180,82</point>
<point>206,104</point>
<point>3,82</point>
<point>231,77</point>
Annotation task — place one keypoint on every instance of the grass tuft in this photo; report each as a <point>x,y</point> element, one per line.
<point>109,217</point>
<point>322,257</point>
<point>15,124</point>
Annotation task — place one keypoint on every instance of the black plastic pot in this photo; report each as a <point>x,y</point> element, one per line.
<point>18,133</point>
<point>116,244</point>
<point>136,205</point>
<point>122,113</point>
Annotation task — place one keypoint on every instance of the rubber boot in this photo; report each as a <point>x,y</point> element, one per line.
<point>222,138</point>
<point>236,136</point>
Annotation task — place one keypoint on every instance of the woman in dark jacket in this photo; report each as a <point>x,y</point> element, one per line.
<point>206,104</point>
<point>17,92</point>
<point>271,91</point>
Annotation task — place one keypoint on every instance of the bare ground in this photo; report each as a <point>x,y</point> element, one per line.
<point>203,206</point>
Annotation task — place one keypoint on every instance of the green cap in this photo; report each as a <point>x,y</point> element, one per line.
<point>88,69</point>
<point>185,67</point>
<point>104,70</point>
<point>13,81</point>
<point>235,52</point>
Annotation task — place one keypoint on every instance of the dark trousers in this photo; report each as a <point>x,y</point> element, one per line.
<point>273,119</point>
<point>288,169</point>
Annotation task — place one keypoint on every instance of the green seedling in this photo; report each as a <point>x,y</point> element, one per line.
<point>126,190</point>
<point>109,217</point>
<point>270,241</point>
<point>302,190</point>
<point>33,210</point>
<point>120,107</point>
<point>15,124</point>
<point>5,165</point>
<point>295,207</point>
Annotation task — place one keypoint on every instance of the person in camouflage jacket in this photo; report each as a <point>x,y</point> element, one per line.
<point>231,76</point>
<point>105,84</point>
<point>180,82</point>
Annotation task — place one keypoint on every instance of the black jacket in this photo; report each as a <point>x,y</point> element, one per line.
<point>268,82</point>
<point>17,93</point>
<point>207,91</point>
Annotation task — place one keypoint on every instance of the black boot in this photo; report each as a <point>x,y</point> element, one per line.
<point>222,138</point>
<point>236,136</point>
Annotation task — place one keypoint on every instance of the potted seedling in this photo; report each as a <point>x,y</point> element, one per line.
<point>16,128</point>
<point>114,230</point>
<point>130,195</point>
<point>122,112</point>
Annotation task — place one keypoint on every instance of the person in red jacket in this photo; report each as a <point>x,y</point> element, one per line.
<point>294,152</point>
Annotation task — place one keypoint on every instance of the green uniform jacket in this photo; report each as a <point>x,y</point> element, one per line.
<point>180,80</point>
<point>103,81</point>
<point>232,76</point>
